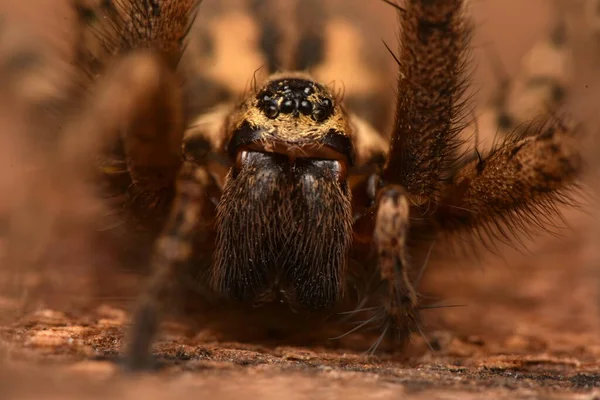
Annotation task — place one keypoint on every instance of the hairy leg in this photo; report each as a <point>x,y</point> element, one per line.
<point>130,50</point>
<point>433,46</point>
<point>527,162</point>
<point>117,26</point>
<point>390,237</point>
<point>136,103</point>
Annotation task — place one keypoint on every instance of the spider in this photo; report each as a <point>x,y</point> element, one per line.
<point>278,195</point>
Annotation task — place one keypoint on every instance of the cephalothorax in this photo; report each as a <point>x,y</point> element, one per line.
<point>287,185</point>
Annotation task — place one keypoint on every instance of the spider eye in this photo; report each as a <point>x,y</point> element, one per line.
<point>295,96</point>
<point>271,110</point>
<point>306,107</point>
<point>323,110</point>
<point>288,106</point>
<point>319,115</point>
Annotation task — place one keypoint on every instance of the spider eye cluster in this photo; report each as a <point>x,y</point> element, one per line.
<point>296,97</point>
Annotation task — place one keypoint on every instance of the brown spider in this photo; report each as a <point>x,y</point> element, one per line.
<point>275,193</point>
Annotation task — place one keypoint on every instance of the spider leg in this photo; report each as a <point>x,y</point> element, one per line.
<point>135,112</point>
<point>432,58</point>
<point>171,253</point>
<point>134,81</point>
<point>121,25</point>
<point>515,187</point>
<point>139,104</point>
<point>389,237</point>
<point>433,43</point>
<point>137,101</point>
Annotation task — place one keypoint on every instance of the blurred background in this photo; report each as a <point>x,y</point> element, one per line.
<point>56,260</point>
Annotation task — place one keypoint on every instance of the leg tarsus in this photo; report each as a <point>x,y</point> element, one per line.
<point>391,229</point>
<point>138,356</point>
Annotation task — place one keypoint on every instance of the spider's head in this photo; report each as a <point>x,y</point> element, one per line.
<point>284,222</point>
<point>294,115</point>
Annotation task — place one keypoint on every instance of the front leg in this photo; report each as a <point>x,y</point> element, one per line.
<point>390,235</point>
<point>432,58</point>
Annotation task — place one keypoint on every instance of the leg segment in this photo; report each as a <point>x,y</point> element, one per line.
<point>433,45</point>
<point>122,25</point>
<point>138,104</point>
<point>135,112</point>
<point>390,235</point>
<point>431,81</point>
<point>515,187</point>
